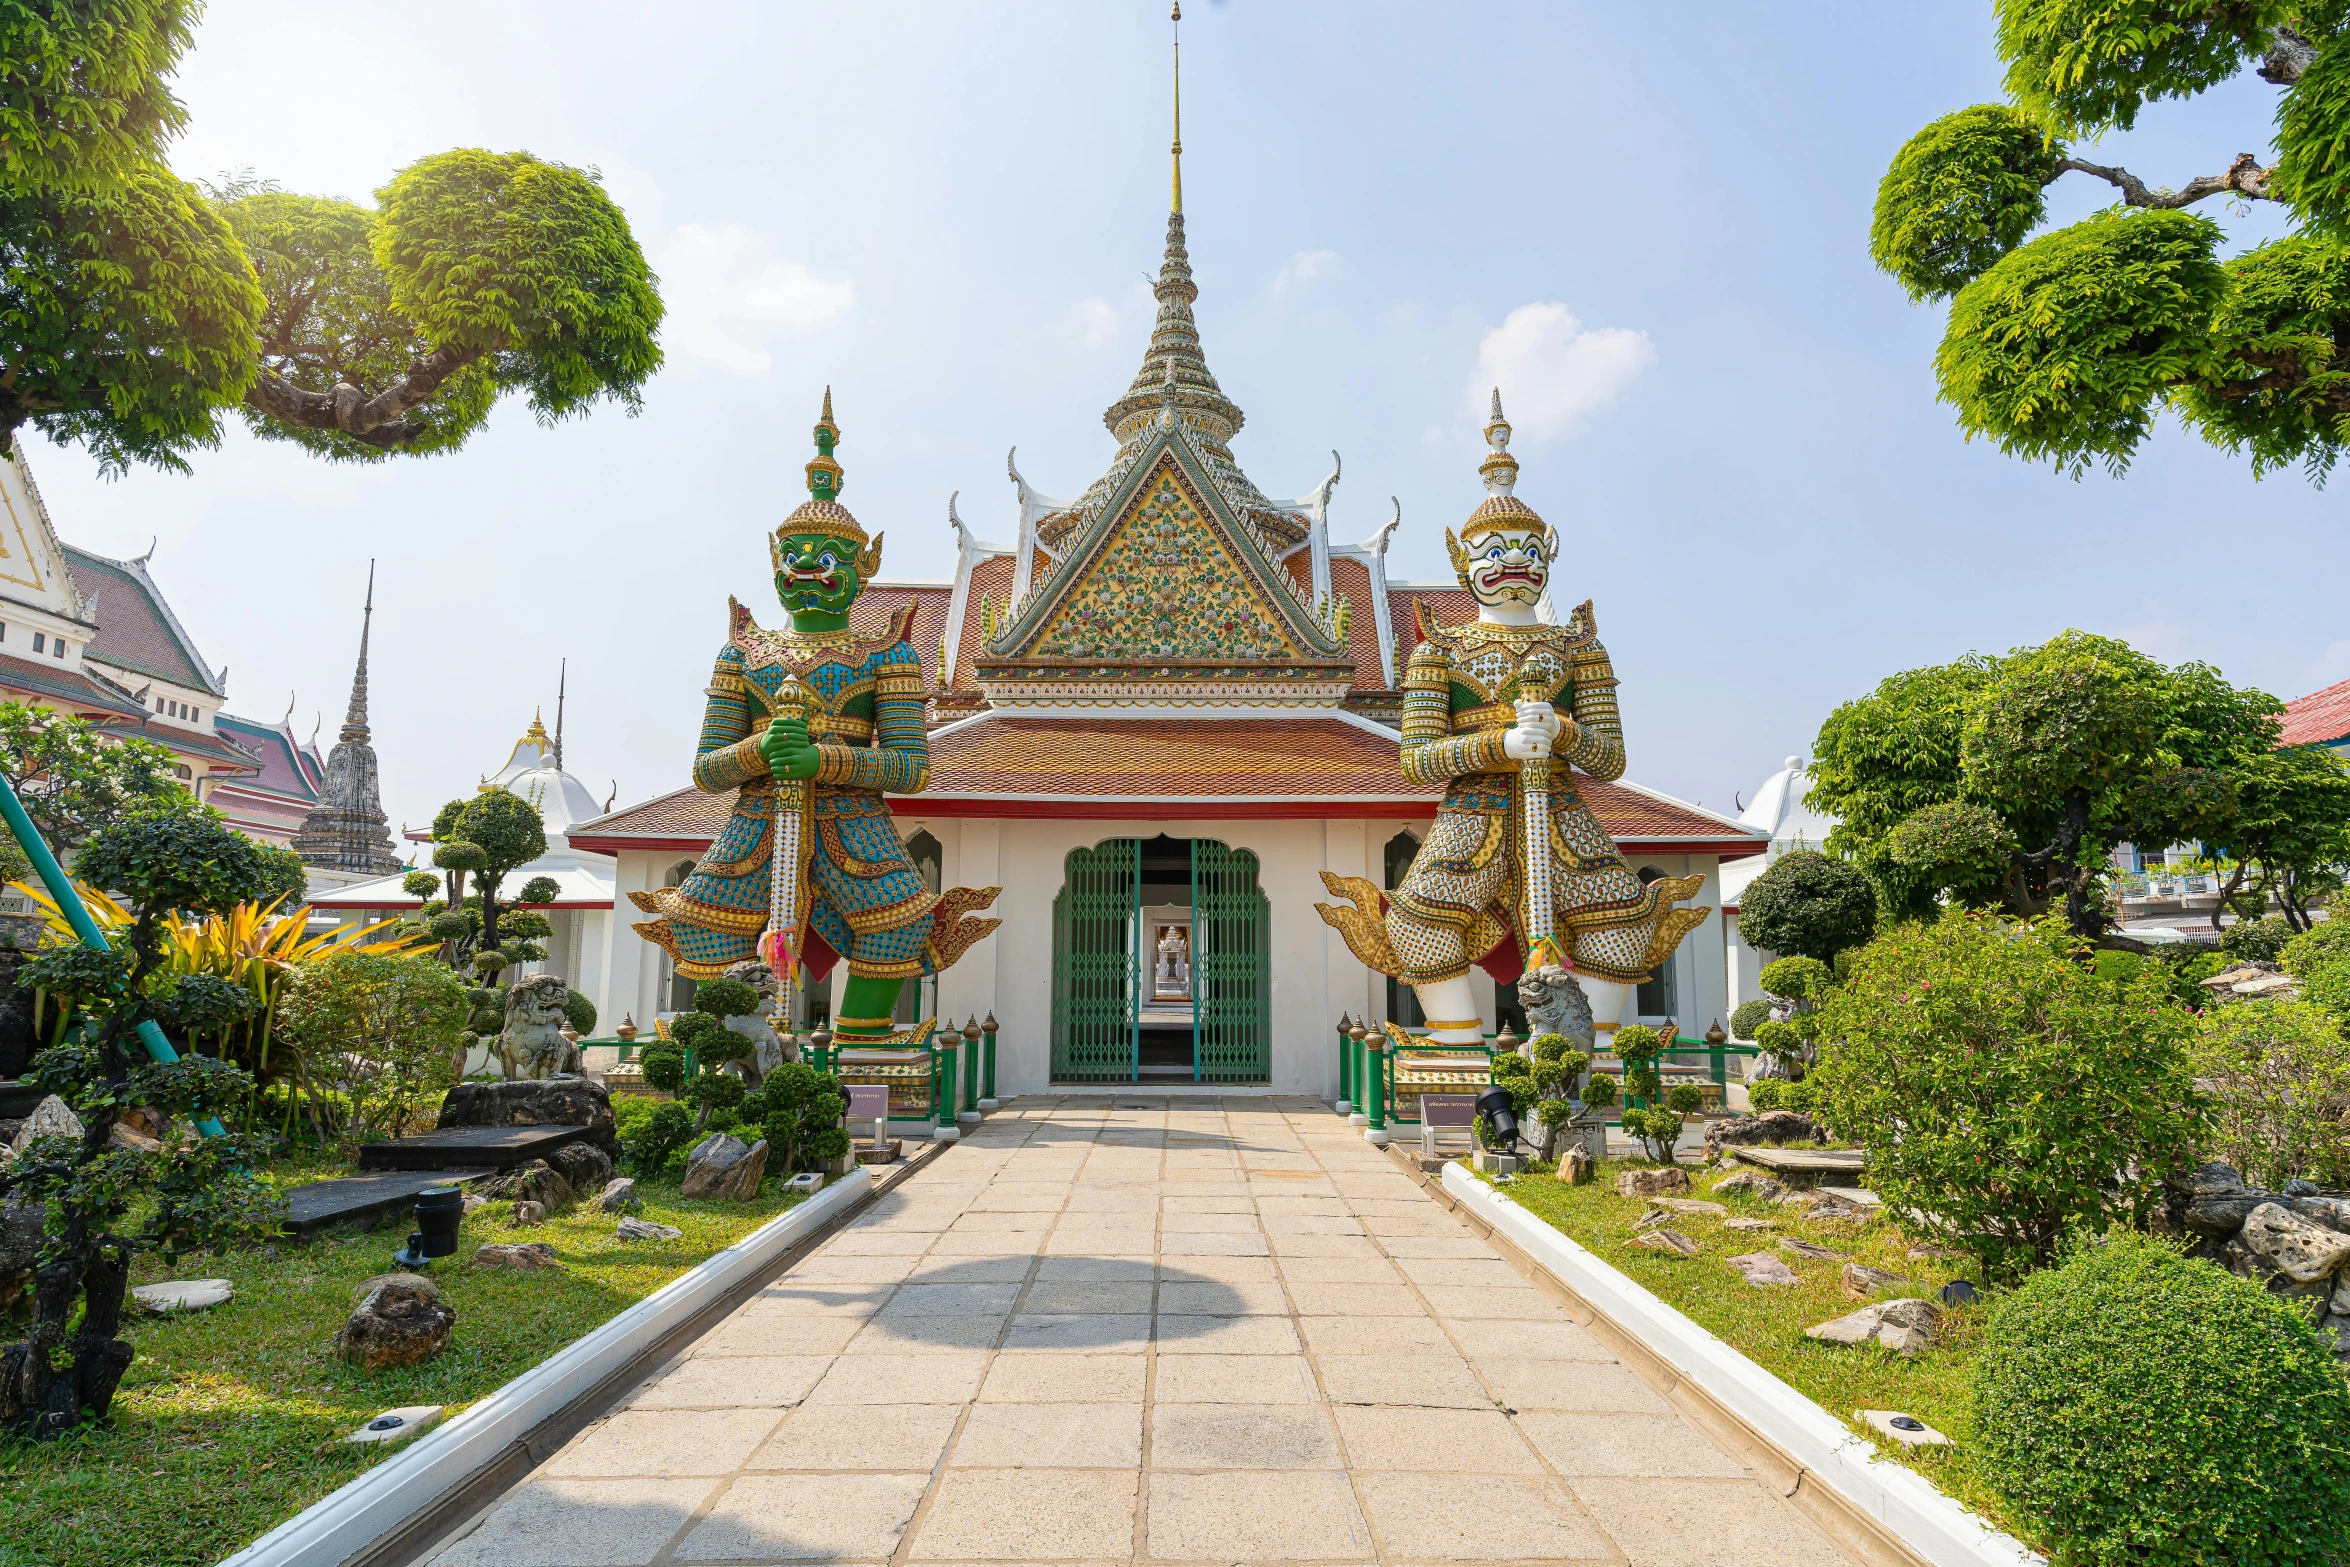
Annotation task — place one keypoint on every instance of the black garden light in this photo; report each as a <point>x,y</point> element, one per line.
<point>1500,1110</point>
<point>439,1211</point>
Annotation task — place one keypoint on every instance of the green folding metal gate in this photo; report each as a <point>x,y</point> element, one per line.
<point>1096,925</point>
<point>1231,968</point>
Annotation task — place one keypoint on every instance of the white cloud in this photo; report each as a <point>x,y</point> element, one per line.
<point>1097,321</point>
<point>1552,369</point>
<point>1304,267</point>
<point>731,293</point>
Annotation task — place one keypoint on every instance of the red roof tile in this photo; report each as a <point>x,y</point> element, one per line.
<point>2320,717</point>
<point>135,626</point>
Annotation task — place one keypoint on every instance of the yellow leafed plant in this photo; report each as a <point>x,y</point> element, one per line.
<point>252,945</point>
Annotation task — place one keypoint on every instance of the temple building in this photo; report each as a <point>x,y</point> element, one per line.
<point>1779,814</point>
<point>1159,714</point>
<point>346,837</point>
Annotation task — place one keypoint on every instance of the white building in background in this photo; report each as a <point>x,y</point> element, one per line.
<point>1779,813</point>
<point>582,909</point>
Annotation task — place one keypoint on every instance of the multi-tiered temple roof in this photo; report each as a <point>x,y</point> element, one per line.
<point>347,830</point>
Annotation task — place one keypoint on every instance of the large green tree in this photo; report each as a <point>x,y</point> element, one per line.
<point>136,310</point>
<point>2065,346</point>
<point>2007,781</point>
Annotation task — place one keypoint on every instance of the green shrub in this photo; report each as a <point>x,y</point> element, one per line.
<point>1799,979</point>
<point>798,1110</point>
<point>662,1139</point>
<point>2152,1410</point>
<point>2326,942</point>
<point>1508,1063</point>
<point>1549,1047</point>
<point>1782,1042</point>
<point>580,1013</point>
<point>724,998</point>
<point>1808,905</point>
<point>664,1066</point>
<point>1998,1083</point>
<point>1600,1092</point>
<point>2256,941</point>
<point>1749,1016</point>
<point>2279,1074</point>
<point>1767,1093</point>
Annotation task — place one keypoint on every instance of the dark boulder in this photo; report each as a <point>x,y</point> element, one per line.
<point>583,1166</point>
<point>401,1320</point>
<point>537,1181</point>
<point>552,1101</point>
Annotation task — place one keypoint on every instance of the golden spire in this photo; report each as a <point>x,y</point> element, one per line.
<point>537,733</point>
<point>1177,18</point>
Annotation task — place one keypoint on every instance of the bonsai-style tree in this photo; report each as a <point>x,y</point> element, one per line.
<point>1656,1125</point>
<point>2006,782</point>
<point>1808,905</point>
<point>2289,834</point>
<point>106,1203</point>
<point>798,1110</point>
<point>2064,347</point>
<point>487,836</point>
<point>138,311</point>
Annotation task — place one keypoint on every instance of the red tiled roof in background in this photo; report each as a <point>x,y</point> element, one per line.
<point>1131,769</point>
<point>283,770</point>
<point>134,628</point>
<point>2320,717</point>
<point>66,687</point>
<point>1351,580</point>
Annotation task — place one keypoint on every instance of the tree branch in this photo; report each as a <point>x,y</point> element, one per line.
<point>379,421</point>
<point>2245,177</point>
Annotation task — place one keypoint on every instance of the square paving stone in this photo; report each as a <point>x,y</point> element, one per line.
<point>1029,1515</point>
<point>1255,1516</point>
<point>733,1382</point>
<point>1000,1223</point>
<point>1478,1518</point>
<point>579,1523</point>
<point>1215,1243</point>
<point>1217,1298</point>
<point>878,1243</point>
<point>1050,1436</point>
<point>1663,1447</point>
<point>1079,1333</point>
<point>951,1300</point>
<point>1129,1244</point>
<point>972,1270</point>
<point>866,1436</point>
<point>1178,1335</point>
<point>1374,1335</point>
<point>1235,1379</point>
<point>1228,1270</point>
<point>1096,1270</point>
<point>1435,1379</point>
<point>1312,1224</point>
<point>1420,1246</point>
<point>1240,1218</point>
<point>1287,1246</point>
<point>795,1517</point>
<point>787,1299</point>
<point>1525,1304</point>
<point>1338,1270</point>
<point>750,1332</point>
<point>1705,1523</point>
<point>1355,1300</point>
<point>1215,1204</point>
<point>1569,1384</point>
<point>1432,1441</point>
<point>1242,1436</point>
<point>981,1243</point>
<point>887,1335</point>
<point>1003,1198</point>
<point>1529,1340</point>
<point>666,1442</point>
<point>894,1379</point>
<point>1063,1379</point>
<point>1046,1300</point>
<point>831,1268</point>
<point>1477,1272</point>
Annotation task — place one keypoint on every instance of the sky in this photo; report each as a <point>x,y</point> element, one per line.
<point>1648,225</point>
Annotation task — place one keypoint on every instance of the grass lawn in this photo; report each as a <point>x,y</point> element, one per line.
<point>1766,1323</point>
<point>230,1421</point>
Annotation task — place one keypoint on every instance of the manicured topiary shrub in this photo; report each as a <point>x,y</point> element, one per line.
<point>1749,1016</point>
<point>2148,1409</point>
<point>1808,905</point>
<point>2261,940</point>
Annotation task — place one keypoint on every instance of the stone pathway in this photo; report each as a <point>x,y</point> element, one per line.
<point>1206,1331</point>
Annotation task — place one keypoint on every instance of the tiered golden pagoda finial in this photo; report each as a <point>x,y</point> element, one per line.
<point>1501,507</point>
<point>537,733</point>
<point>822,512</point>
<point>1176,16</point>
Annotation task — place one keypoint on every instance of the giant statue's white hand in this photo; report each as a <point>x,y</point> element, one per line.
<point>1523,744</point>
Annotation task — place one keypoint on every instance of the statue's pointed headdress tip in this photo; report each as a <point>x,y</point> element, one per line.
<point>822,512</point>
<point>1501,507</point>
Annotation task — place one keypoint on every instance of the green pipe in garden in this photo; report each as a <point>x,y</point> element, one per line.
<point>77,914</point>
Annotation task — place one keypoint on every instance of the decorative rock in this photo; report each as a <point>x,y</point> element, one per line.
<point>1751,1183</point>
<point>121,1136</point>
<point>2337,1327</point>
<point>1927,1251</point>
<point>1760,1268</point>
<point>1651,1183</point>
<point>647,1230</point>
<point>537,1181</point>
<point>583,1166</point>
<point>1576,1166</point>
<point>1652,1219</point>
<point>1888,1423</point>
<point>526,1214</point>
<point>1691,1205</point>
<point>2300,1250</point>
<point>1835,1210</point>
<point>1861,1281</point>
<point>2220,1215</point>
<point>618,1195</point>
<point>183,1295</point>
<point>50,1118</point>
<point>2340,1304</point>
<point>1749,1225</point>
<point>400,1321</point>
<point>725,1167</point>
<point>1774,1127</point>
<point>1903,1326</point>
<point>554,1101</point>
<point>397,1425</point>
<point>2206,1180</point>
<point>1672,1241</point>
<point>21,1223</point>
<point>472,1202</point>
<point>527,1255</point>
<point>1811,1249</point>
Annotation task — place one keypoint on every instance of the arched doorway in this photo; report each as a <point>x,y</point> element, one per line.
<point>1156,939</point>
<point>1403,1003</point>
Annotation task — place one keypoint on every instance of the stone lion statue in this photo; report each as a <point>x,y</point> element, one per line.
<point>772,1051</point>
<point>1555,1004</point>
<point>532,1042</point>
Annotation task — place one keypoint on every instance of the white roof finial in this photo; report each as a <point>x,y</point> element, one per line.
<point>1499,468</point>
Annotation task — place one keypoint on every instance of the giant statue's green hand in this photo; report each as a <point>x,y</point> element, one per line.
<point>789,751</point>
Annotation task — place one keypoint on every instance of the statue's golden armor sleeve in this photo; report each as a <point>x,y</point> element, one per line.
<point>1432,753</point>
<point>728,755</point>
<point>898,760</point>
<point>1599,744</point>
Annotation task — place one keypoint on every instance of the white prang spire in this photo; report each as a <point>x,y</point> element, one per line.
<point>1499,468</point>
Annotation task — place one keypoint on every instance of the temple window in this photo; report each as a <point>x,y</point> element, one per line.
<point>39,643</point>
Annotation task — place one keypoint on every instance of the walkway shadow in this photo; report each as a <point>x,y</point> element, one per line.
<point>1051,1302</point>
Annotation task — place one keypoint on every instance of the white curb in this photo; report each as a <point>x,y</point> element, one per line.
<point>344,1522</point>
<point>1904,1503</point>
